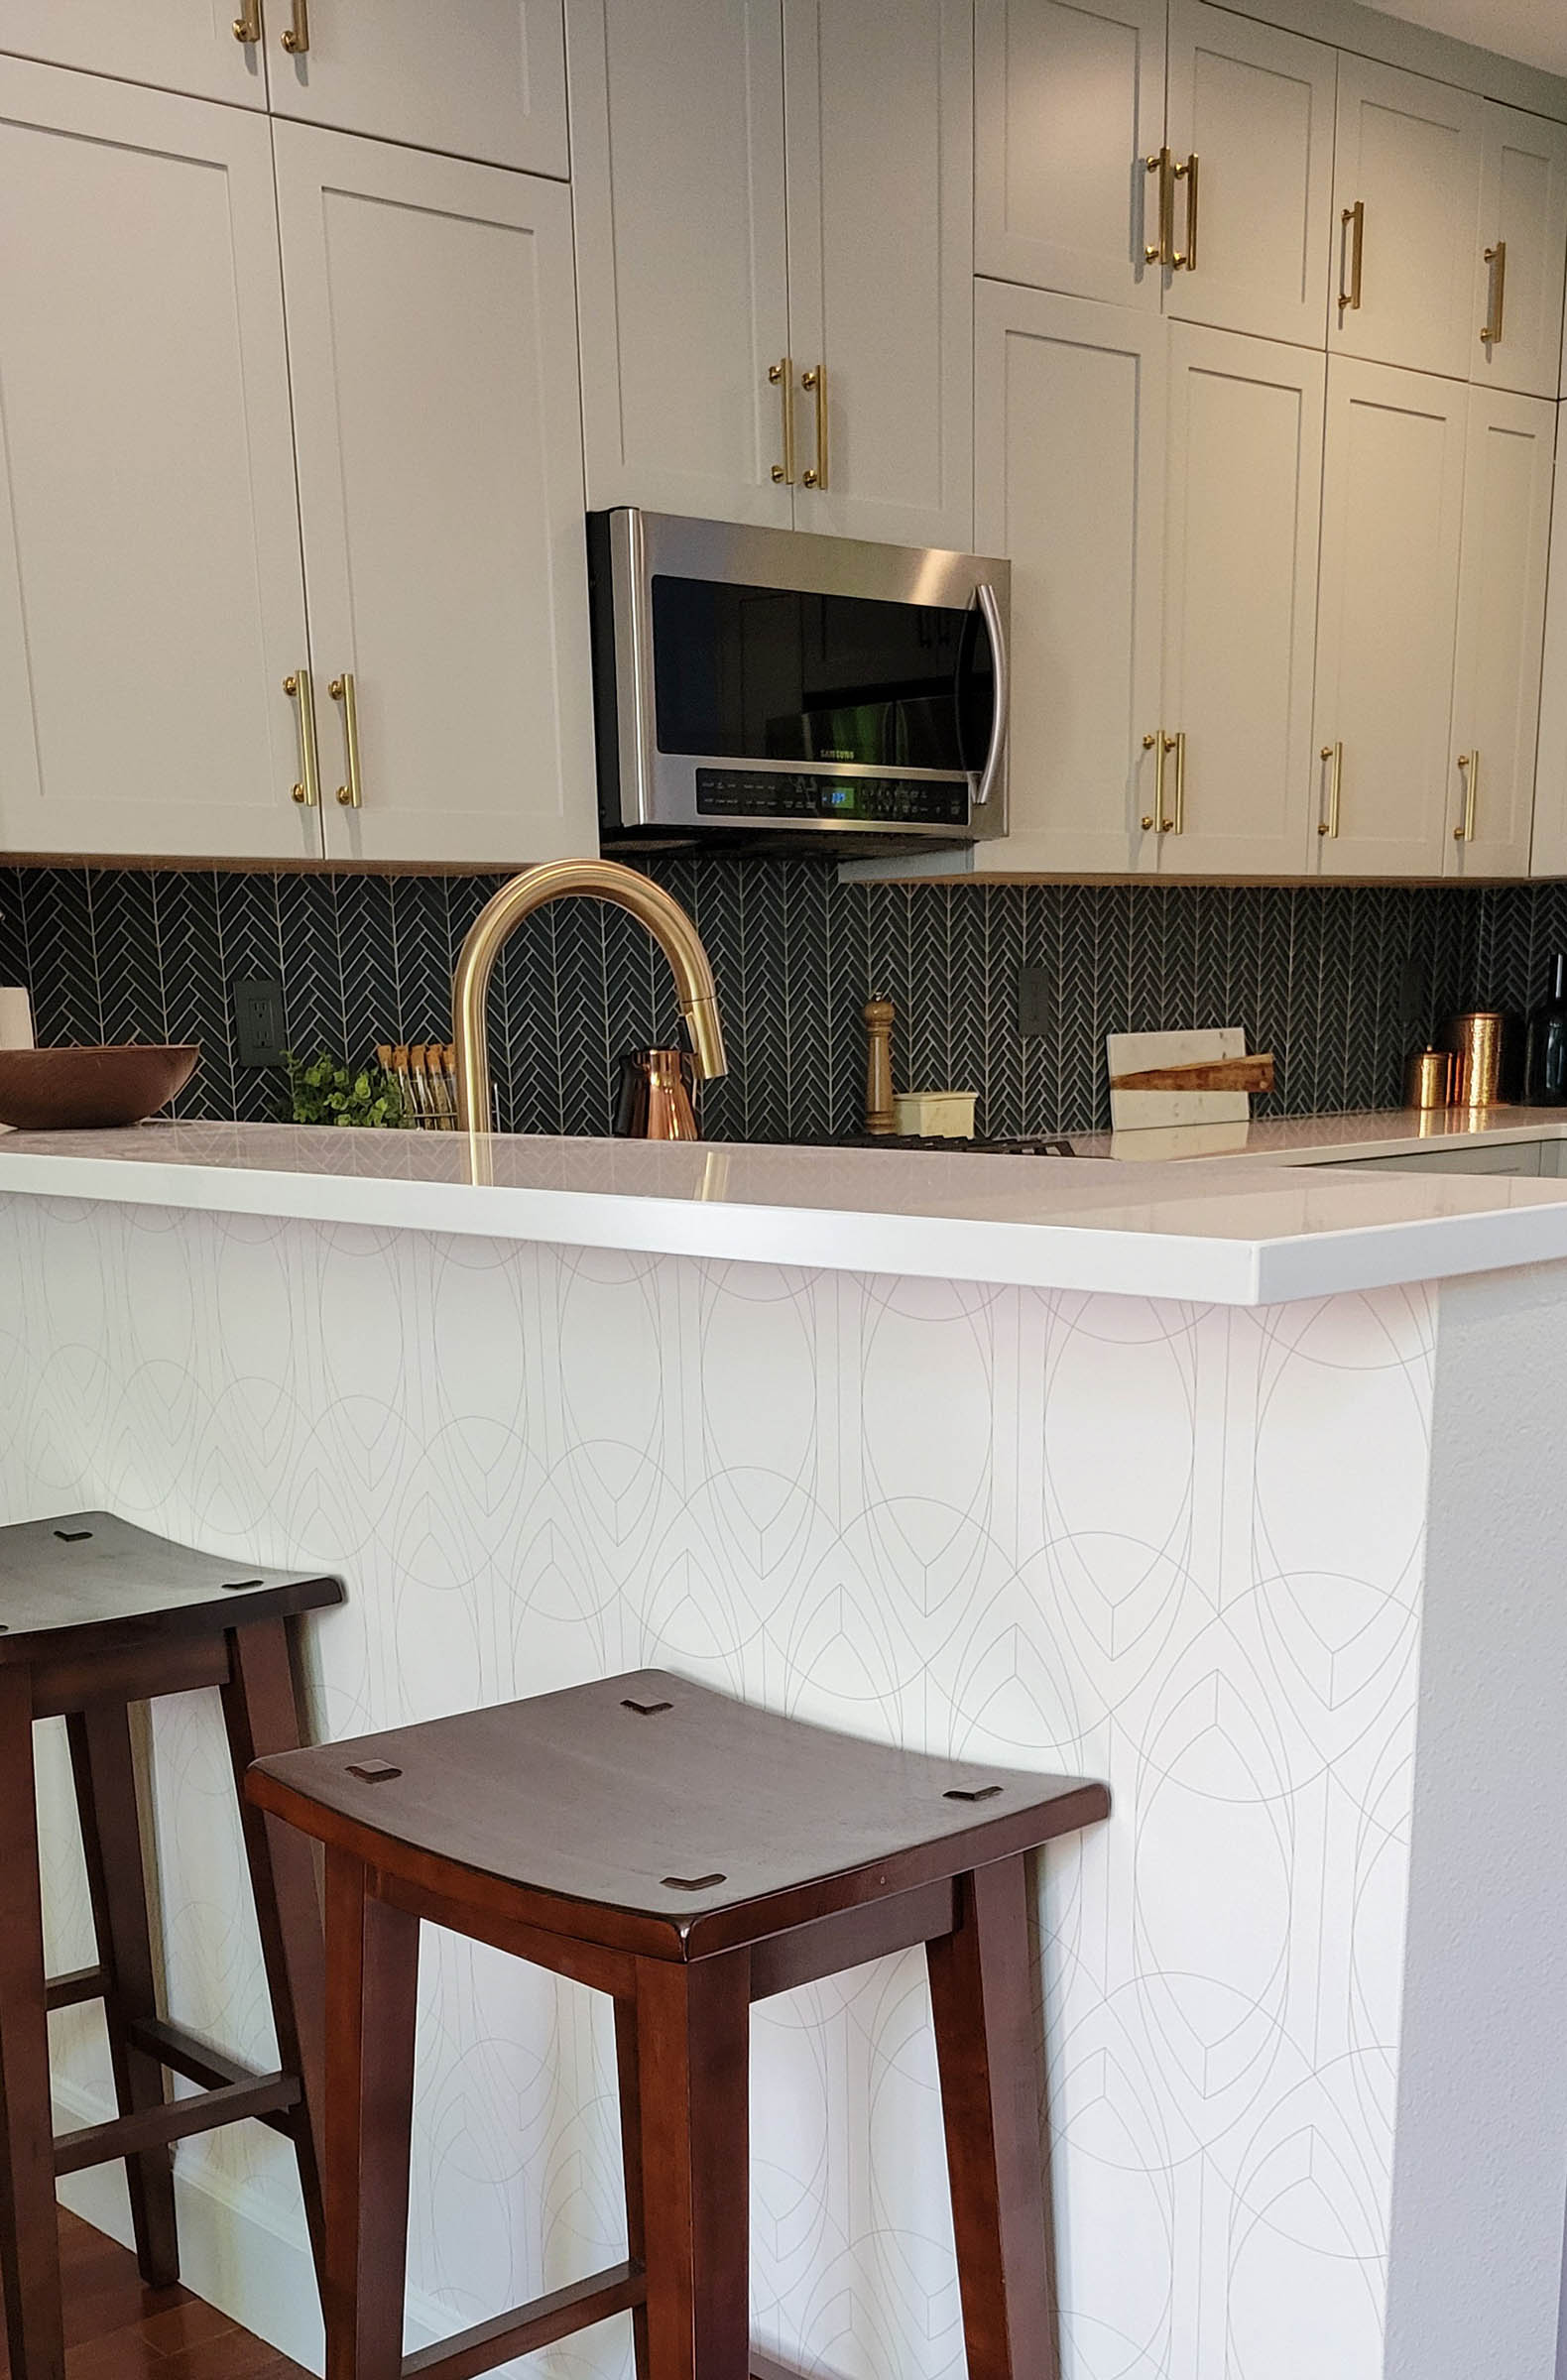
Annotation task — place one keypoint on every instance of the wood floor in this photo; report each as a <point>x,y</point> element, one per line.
<point>115,2329</point>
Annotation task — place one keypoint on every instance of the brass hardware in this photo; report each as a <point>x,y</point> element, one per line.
<point>1354,221</point>
<point>1160,254</point>
<point>815,474</point>
<point>1491,328</point>
<point>296,33</point>
<point>781,377</point>
<point>341,690</point>
<point>556,880</point>
<point>1186,173</point>
<point>1176,825</point>
<point>1428,1080</point>
<point>1156,745</point>
<point>1468,762</point>
<point>1330,824</point>
<point>247,25</point>
<point>297,685</point>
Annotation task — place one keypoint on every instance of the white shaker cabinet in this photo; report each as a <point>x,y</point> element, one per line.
<point>150,601</point>
<point>1406,187</point>
<point>677,133</point>
<point>187,45</point>
<point>1069,482</point>
<point>1250,125</point>
<point>431,339</point>
<point>1501,632</point>
<point>479,79</point>
<point>1391,540</point>
<point>1520,255</point>
<point>1070,103</point>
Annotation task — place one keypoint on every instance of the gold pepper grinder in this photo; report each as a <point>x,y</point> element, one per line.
<point>880,1116</point>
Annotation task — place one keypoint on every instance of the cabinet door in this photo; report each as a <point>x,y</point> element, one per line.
<point>1240,605</point>
<point>1408,159</point>
<point>1254,108</point>
<point>1071,403</point>
<point>483,78</point>
<point>878,104</point>
<point>432,348</point>
<point>150,601</point>
<point>1501,632</point>
<point>1069,104</point>
<point>678,130</point>
<point>1523,253</point>
<point>178,45</point>
<point>1548,850</point>
<point>1392,519</point>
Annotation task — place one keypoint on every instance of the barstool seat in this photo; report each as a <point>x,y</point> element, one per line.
<point>688,1854</point>
<point>95,1615</point>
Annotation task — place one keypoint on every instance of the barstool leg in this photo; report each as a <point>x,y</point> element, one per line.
<point>104,1768</point>
<point>693,2029</point>
<point>631,2159</point>
<point>372,1972</point>
<point>989,2059</point>
<point>29,2223</point>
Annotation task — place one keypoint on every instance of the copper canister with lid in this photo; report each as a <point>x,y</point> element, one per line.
<point>1428,1080</point>
<point>1476,1043</point>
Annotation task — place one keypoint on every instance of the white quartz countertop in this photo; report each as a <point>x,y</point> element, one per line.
<point>1250,1230</point>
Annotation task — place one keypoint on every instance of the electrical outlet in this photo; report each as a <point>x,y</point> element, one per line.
<point>1035,1008</point>
<point>260,1030</point>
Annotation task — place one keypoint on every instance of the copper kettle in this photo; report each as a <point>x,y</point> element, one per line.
<point>658,1096</point>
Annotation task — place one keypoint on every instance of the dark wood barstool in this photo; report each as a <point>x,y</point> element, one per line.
<point>95,1615</point>
<point>688,1854</point>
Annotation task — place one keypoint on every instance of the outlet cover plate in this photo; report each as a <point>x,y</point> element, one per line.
<point>260,1026</point>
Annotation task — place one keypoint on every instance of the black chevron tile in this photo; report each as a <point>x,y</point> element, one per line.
<point>367,948</point>
<point>313,965</point>
<point>12,927</point>
<point>126,952</point>
<point>61,959</point>
<point>194,989</point>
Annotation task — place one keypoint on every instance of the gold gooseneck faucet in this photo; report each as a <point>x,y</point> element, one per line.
<point>558,879</point>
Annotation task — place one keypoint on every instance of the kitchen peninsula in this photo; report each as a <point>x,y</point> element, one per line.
<point>1220,1482</point>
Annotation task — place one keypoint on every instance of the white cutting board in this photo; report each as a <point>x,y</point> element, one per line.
<point>1134,1053</point>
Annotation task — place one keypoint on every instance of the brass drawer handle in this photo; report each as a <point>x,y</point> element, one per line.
<point>295,35</point>
<point>1160,254</point>
<point>247,25</point>
<point>341,690</point>
<point>1186,173</point>
<point>297,685</point>
<point>781,377</point>
<point>1491,328</point>
<point>1176,823</point>
<point>1352,220</point>
<point>1468,762</point>
<point>1334,753</point>
<point>1158,744</point>
<point>815,474</point>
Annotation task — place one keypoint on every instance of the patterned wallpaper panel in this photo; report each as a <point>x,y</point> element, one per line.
<point>1314,973</point>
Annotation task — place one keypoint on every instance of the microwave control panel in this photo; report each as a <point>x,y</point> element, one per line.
<point>869,800</point>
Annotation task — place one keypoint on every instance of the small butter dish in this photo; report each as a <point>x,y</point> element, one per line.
<point>936,1115</point>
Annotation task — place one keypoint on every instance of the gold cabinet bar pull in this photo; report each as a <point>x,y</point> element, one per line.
<point>815,380</point>
<point>1175,824</point>
<point>1468,762</point>
<point>1158,745</point>
<point>781,377</point>
<point>247,25</point>
<point>295,35</point>
<point>1334,753</point>
<point>297,685</point>
<point>341,690</point>
<point>1491,328</point>
<point>1352,220</point>
<point>1187,256</point>
<point>1159,253</point>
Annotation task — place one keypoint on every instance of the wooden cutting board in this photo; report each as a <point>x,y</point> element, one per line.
<point>1136,1053</point>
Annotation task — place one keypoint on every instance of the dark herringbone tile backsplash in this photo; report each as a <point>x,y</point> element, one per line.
<point>1315,974</point>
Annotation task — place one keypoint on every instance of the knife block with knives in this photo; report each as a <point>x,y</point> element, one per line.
<point>426,1072</point>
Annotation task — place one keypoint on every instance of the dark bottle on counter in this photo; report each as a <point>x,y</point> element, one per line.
<point>1545,1067</point>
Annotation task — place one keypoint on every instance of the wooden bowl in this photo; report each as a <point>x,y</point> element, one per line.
<point>88,1090</point>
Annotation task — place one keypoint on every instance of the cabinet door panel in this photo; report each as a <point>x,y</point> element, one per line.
<point>483,78</point>
<point>150,600</point>
<point>1501,626</point>
<point>879,103</point>
<point>1070,413</point>
<point>1548,850</point>
<point>1408,153</point>
<point>1070,102</point>
<point>1392,517</point>
<point>1524,205</point>
<point>1240,589</point>
<point>677,129</point>
<point>1255,108</point>
<point>177,45</point>
<point>432,344</point>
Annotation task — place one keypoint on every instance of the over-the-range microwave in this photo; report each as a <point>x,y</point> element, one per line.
<point>763,686</point>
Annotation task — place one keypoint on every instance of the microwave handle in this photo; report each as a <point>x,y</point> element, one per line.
<point>996,757</point>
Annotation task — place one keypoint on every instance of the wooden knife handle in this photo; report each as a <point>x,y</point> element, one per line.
<point>1205,1074</point>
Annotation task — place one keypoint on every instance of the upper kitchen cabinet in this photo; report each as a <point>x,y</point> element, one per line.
<point>477,78</point>
<point>677,133</point>
<point>1521,252</point>
<point>777,329</point>
<point>151,599</point>
<point>1251,139</point>
<point>1406,187</point>
<point>1069,104</point>
<point>197,46</point>
<point>432,345</point>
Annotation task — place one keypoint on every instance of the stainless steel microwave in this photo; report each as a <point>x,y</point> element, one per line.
<point>765,686</point>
